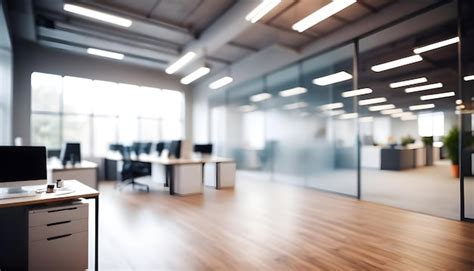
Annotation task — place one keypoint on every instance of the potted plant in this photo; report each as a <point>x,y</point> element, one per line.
<point>407,140</point>
<point>428,142</point>
<point>451,143</point>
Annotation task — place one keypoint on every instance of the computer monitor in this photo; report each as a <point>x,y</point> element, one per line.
<point>203,148</point>
<point>175,149</point>
<point>71,152</point>
<point>22,166</point>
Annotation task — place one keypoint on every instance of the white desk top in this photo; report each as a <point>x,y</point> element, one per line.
<point>56,165</point>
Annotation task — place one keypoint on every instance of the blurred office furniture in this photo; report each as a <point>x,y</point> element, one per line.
<point>110,165</point>
<point>371,156</point>
<point>141,148</point>
<point>133,169</point>
<point>397,159</point>
<point>175,149</point>
<point>160,146</point>
<point>70,153</point>
<point>203,148</point>
<point>219,172</point>
<point>46,231</point>
<point>85,172</point>
<point>54,153</point>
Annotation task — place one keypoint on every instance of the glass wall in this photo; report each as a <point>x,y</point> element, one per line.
<point>98,113</point>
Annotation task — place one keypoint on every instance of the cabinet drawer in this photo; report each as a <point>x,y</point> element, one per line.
<point>55,229</point>
<point>57,214</point>
<point>67,252</point>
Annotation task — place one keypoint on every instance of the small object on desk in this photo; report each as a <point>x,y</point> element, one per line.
<point>59,183</point>
<point>50,188</point>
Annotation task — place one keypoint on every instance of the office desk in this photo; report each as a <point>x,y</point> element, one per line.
<point>85,172</point>
<point>81,191</point>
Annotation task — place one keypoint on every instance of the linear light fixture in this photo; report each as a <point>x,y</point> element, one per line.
<point>356,92</point>
<point>332,78</point>
<point>221,82</point>
<point>421,107</point>
<point>260,97</point>
<point>408,82</point>
<point>348,116</point>
<point>247,108</point>
<point>261,10</point>
<point>401,114</point>
<point>396,63</point>
<point>293,91</point>
<point>469,78</point>
<point>381,107</point>
<point>411,117</point>
<point>366,119</point>
<point>180,62</point>
<point>97,15</point>
<point>331,106</point>
<point>322,14</point>
<point>373,101</point>
<point>295,105</point>
<point>200,72</point>
<point>334,112</point>
<point>424,87</point>
<point>391,111</point>
<point>437,96</point>
<point>436,45</point>
<point>103,53</point>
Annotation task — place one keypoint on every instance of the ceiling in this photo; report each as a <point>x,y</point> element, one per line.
<point>163,30</point>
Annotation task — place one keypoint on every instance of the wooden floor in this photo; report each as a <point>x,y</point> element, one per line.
<point>268,226</point>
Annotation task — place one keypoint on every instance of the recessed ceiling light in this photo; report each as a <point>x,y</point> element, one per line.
<point>180,63</point>
<point>97,15</point>
<point>411,117</point>
<point>260,97</point>
<point>421,107</point>
<point>221,82</point>
<point>424,87</point>
<point>332,78</point>
<point>348,116</point>
<point>381,107</point>
<point>356,92</point>
<point>331,106</point>
<point>262,9</point>
<point>408,82</point>
<point>396,63</point>
<point>200,72</point>
<point>392,111</point>
<point>458,101</point>
<point>469,78</point>
<point>366,119</point>
<point>437,96</point>
<point>103,53</point>
<point>295,105</point>
<point>293,91</point>
<point>373,101</point>
<point>436,45</point>
<point>322,14</point>
<point>401,114</point>
<point>247,108</point>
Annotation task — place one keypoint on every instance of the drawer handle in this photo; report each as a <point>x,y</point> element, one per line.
<point>60,210</point>
<point>58,223</point>
<point>58,237</point>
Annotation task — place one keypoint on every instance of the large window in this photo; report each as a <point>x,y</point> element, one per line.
<point>97,113</point>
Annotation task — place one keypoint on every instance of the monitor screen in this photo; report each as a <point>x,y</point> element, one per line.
<point>71,152</point>
<point>22,163</point>
<point>203,148</point>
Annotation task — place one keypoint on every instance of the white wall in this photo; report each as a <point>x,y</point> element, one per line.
<point>30,57</point>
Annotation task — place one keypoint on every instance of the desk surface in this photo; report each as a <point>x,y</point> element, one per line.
<point>56,165</point>
<point>81,191</point>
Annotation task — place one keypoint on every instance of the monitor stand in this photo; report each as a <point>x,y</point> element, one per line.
<point>16,192</point>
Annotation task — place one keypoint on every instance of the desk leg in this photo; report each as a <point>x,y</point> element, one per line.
<point>97,233</point>
<point>218,181</point>
<point>170,177</point>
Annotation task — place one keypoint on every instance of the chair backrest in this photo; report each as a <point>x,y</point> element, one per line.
<point>175,149</point>
<point>160,146</point>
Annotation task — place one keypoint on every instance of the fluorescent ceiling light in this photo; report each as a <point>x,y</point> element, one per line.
<point>200,72</point>
<point>262,9</point>
<point>104,53</point>
<point>397,63</point>
<point>332,78</point>
<point>180,63</point>
<point>437,96</point>
<point>356,92</point>
<point>331,106</point>
<point>97,15</point>
<point>366,119</point>
<point>322,14</point>
<point>436,45</point>
<point>247,108</point>
<point>469,78</point>
<point>372,101</point>
<point>424,87</point>
<point>411,117</point>
<point>295,105</point>
<point>408,82</point>
<point>392,111</point>
<point>221,82</point>
<point>348,116</point>
<point>334,112</point>
<point>421,107</point>
<point>293,91</point>
<point>402,114</point>
<point>381,107</point>
<point>260,97</point>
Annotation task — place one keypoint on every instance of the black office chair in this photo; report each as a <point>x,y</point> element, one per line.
<point>133,169</point>
<point>160,146</point>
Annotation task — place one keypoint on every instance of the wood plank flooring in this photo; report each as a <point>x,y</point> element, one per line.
<point>268,226</point>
